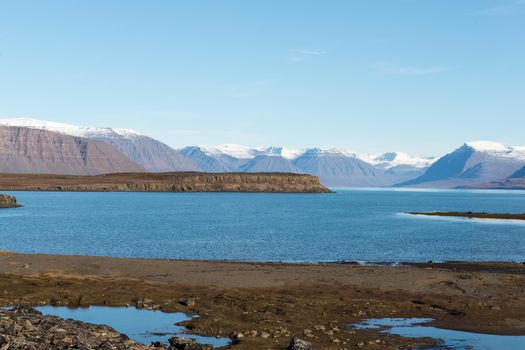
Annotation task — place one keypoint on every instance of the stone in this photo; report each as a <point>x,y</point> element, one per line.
<point>298,344</point>
<point>182,343</point>
<point>189,302</point>
<point>236,337</point>
<point>4,342</point>
<point>265,335</point>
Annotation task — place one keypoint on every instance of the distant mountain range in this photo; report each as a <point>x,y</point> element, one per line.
<point>475,164</point>
<point>335,167</point>
<point>33,146</point>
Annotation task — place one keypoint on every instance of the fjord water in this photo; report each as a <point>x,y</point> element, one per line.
<point>352,224</point>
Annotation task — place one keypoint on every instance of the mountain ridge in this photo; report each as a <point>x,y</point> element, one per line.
<point>475,163</point>
<point>26,150</point>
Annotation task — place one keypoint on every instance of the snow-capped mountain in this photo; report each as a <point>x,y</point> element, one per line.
<point>392,159</point>
<point>339,168</point>
<point>268,163</point>
<point>153,155</point>
<point>335,166</point>
<point>36,151</point>
<point>474,163</point>
<point>68,129</point>
<point>212,161</point>
<point>244,152</point>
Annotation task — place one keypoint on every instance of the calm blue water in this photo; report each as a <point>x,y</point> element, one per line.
<point>143,326</point>
<point>450,339</point>
<point>362,225</point>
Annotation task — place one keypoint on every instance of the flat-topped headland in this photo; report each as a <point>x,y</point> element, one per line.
<point>7,201</point>
<point>472,215</point>
<point>166,182</point>
<point>269,303</point>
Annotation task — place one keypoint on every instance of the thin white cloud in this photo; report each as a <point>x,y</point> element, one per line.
<point>506,8</point>
<point>298,55</point>
<point>390,68</point>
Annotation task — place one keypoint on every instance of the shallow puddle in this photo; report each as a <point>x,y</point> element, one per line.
<point>457,340</point>
<point>143,326</point>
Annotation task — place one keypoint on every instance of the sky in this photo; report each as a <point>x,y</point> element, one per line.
<point>420,76</point>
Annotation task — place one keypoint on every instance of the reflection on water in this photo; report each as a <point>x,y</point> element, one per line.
<point>143,326</point>
<point>450,339</point>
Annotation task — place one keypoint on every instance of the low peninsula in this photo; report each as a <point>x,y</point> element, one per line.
<point>472,215</point>
<point>166,182</point>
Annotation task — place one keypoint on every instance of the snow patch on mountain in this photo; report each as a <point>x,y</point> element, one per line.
<point>245,152</point>
<point>68,129</point>
<point>391,159</point>
<point>497,149</point>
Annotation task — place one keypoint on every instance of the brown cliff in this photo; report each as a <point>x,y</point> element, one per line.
<point>166,182</point>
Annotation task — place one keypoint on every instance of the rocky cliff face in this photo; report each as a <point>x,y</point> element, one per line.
<point>24,150</point>
<point>7,201</point>
<point>167,182</point>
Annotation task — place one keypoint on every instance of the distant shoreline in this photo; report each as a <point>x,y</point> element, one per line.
<point>166,182</point>
<point>472,215</point>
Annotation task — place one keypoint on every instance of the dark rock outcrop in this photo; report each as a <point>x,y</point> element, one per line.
<point>182,343</point>
<point>7,201</point>
<point>24,328</point>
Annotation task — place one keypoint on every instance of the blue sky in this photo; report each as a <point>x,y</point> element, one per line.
<point>421,76</point>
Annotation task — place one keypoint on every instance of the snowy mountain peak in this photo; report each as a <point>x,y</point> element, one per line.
<point>497,149</point>
<point>68,129</point>
<point>488,146</point>
<point>391,159</point>
<point>330,152</point>
<point>244,152</point>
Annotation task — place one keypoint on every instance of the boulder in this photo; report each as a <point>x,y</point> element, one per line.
<point>182,343</point>
<point>7,201</point>
<point>298,344</point>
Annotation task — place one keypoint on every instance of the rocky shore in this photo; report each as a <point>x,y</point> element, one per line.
<point>24,328</point>
<point>264,305</point>
<point>166,182</point>
<point>7,201</point>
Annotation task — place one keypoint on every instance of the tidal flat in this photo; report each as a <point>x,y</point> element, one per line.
<point>269,303</point>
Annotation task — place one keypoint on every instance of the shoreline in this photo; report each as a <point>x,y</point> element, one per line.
<point>429,263</point>
<point>471,215</point>
<point>235,296</point>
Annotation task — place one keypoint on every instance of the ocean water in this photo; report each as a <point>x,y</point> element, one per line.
<point>352,224</point>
